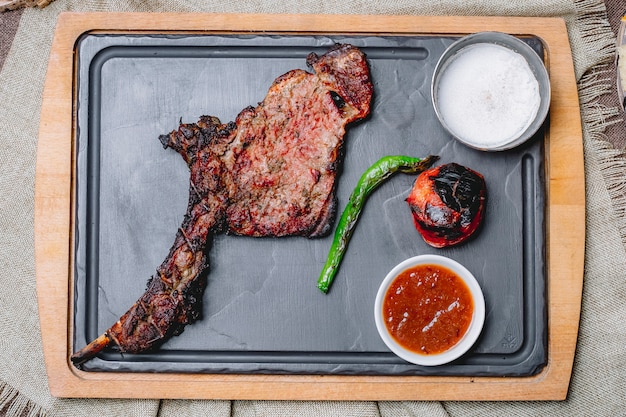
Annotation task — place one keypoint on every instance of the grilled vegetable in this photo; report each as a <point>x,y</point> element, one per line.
<point>369,181</point>
<point>448,204</point>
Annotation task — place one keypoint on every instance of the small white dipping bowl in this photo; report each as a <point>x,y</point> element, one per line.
<point>468,339</point>
<point>491,91</point>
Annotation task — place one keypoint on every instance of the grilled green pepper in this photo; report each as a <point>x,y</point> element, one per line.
<point>371,178</point>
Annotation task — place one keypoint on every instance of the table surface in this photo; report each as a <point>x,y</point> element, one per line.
<point>615,135</point>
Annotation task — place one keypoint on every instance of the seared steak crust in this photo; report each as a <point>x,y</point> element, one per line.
<point>271,172</point>
<point>286,150</point>
<point>280,158</point>
<point>284,178</point>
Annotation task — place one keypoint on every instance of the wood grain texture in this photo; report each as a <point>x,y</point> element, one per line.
<point>54,214</point>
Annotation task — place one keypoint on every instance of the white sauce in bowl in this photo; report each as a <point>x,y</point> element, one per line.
<point>488,95</point>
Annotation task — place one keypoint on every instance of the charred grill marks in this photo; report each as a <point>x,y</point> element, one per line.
<point>447,204</point>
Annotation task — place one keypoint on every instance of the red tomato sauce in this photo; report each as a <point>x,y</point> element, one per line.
<point>427,309</point>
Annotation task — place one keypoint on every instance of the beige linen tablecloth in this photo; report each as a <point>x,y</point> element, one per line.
<point>598,385</point>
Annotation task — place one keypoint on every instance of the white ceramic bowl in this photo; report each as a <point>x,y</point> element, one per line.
<point>473,331</point>
<point>470,93</point>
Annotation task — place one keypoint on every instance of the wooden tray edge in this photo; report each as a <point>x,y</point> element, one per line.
<point>54,220</point>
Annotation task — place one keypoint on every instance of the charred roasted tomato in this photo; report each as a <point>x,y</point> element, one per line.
<point>448,204</point>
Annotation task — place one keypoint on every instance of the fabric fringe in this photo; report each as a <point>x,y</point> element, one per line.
<point>613,166</point>
<point>599,79</point>
<point>14,404</point>
<point>596,116</point>
<point>596,35</point>
<point>594,84</point>
<point>593,20</point>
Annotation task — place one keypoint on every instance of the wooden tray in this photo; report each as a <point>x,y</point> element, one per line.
<point>55,208</point>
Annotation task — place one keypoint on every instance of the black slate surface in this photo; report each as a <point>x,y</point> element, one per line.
<point>262,310</point>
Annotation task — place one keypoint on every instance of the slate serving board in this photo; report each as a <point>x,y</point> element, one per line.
<point>262,310</point>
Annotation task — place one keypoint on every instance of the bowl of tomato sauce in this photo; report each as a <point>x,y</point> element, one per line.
<point>429,310</point>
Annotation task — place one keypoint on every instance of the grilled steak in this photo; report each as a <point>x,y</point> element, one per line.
<point>271,172</point>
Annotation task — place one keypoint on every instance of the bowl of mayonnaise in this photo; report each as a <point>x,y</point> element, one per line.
<point>491,91</point>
